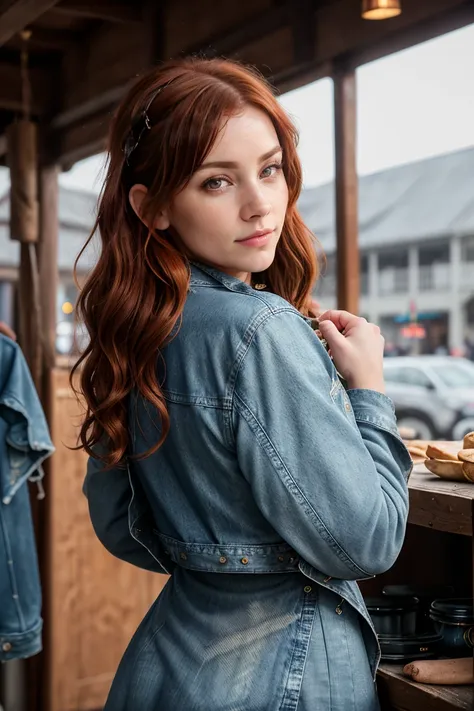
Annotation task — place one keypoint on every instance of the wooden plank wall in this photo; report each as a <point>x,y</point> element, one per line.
<point>95,602</point>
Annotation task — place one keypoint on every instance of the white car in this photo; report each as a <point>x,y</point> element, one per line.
<point>433,395</point>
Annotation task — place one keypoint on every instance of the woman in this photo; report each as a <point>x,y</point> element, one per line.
<point>223,447</point>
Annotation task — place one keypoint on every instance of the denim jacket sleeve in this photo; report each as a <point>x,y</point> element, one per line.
<point>109,495</point>
<point>327,469</point>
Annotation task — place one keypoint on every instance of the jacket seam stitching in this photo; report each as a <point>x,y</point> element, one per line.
<point>377,425</point>
<point>242,351</point>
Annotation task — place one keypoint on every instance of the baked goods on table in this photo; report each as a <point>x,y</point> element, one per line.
<point>417,449</point>
<point>451,460</point>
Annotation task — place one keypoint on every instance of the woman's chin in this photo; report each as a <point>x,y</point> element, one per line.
<point>261,262</point>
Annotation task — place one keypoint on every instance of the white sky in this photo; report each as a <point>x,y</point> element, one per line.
<point>411,105</point>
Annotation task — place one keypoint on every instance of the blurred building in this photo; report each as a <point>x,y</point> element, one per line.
<point>416,238</point>
<point>76,217</point>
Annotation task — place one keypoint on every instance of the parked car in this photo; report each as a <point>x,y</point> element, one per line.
<point>433,395</point>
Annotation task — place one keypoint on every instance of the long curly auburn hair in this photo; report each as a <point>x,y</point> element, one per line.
<point>132,301</point>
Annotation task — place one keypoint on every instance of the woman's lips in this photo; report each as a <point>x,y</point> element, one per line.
<point>257,239</point>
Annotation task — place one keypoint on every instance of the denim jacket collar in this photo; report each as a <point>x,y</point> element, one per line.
<point>204,275</point>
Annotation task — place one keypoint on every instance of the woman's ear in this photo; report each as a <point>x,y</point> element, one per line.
<point>136,197</point>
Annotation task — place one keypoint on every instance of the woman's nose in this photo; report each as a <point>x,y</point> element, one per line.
<point>256,206</point>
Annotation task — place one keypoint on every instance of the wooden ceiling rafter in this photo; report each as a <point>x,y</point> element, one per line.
<point>231,41</point>
<point>106,10</point>
<point>15,15</point>
<point>10,89</point>
<point>44,39</point>
<point>111,42</point>
<point>226,44</point>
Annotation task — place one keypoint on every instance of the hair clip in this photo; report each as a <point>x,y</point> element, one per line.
<point>132,141</point>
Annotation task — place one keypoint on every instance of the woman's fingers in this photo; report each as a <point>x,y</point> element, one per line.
<point>343,320</point>
<point>7,331</point>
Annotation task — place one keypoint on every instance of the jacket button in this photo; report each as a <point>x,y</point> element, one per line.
<point>183,556</point>
<point>222,559</point>
<point>348,407</point>
<point>281,559</point>
<point>6,646</point>
<point>307,588</point>
<point>244,561</point>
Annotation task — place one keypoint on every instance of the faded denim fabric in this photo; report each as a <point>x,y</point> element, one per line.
<point>24,444</point>
<point>274,492</point>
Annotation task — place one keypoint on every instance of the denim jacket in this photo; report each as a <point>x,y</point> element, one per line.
<point>24,444</point>
<point>271,471</point>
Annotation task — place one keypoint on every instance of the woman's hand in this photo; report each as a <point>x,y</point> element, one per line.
<point>7,331</point>
<point>356,347</point>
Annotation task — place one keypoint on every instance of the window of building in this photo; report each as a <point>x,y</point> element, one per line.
<point>393,272</point>
<point>468,250</point>
<point>435,270</point>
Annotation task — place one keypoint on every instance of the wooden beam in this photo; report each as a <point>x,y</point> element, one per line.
<point>43,38</point>
<point>441,23</point>
<point>89,108</point>
<point>96,73</point>
<point>345,104</point>
<point>154,14</point>
<point>301,74</point>
<point>10,89</point>
<point>48,261</point>
<point>227,43</point>
<point>17,14</point>
<point>82,140</point>
<point>30,310</point>
<point>108,10</point>
<point>302,20</point>
<point>96,79</point>
<point>340,31</point>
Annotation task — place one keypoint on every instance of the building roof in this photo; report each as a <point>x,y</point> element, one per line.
<point>426,200</point>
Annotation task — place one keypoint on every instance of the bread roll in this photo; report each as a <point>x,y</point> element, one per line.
<point>441,671</point>
<point>440,451</point>
<point>468,471</point>
<point>446,469</point>
<point>469,441</point>
<point>466,455</point>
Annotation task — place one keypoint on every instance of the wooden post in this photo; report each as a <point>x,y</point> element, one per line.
<point>46,250</point>
<point>348,269</point>
<point>48,279</point>
<point>22,161</point>
<point>154,15</point>
<point>48,259</point>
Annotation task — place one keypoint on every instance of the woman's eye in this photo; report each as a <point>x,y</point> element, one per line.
<point>214,184</point>
<point>271,170</point>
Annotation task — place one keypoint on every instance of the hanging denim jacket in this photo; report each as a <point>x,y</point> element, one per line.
<point>274,492</point>
<point>24,444</point>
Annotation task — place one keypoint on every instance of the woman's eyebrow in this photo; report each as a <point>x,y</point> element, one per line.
<point>230,164</point>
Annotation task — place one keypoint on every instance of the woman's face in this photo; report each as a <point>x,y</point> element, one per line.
<point>231,213</point>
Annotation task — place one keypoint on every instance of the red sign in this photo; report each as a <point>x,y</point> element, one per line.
<point>413,331</point>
